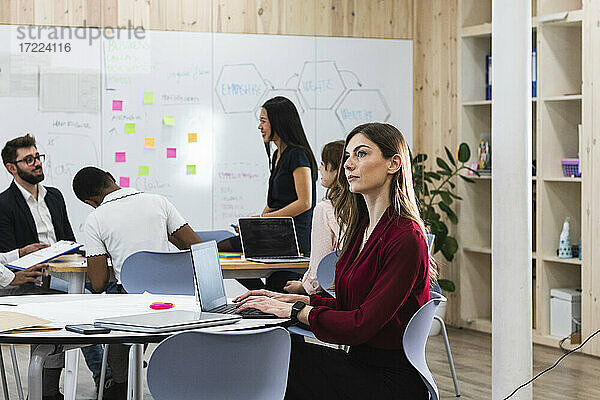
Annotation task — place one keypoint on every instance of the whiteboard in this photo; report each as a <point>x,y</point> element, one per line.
<point>176,113</point>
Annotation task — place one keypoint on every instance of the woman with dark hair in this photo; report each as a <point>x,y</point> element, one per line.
<point>382,278</point>
<point>292,188</point>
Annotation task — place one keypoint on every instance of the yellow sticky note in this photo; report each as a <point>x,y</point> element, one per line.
<point>144,170</point>
<point>191,170</point>
<point>168,120</point>
<point>192,137</point>
<point>149,143</point>
<point>130,128</point>
<point>148,97</point>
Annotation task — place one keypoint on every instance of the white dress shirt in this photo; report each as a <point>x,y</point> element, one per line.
<point>323,240</point>
<point>129,221</point>
<point>41,214</point>
<point>6,275</point>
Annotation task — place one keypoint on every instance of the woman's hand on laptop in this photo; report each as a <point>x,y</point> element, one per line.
<point>285,298</point>
<point>267,305</point>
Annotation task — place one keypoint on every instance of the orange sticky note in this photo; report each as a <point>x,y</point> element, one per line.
<point>192,137</point>
<point>149,143</point>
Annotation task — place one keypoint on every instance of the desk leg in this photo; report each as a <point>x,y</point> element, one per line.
<point>36,365</point>
<point>135,388</point>
<point>76,285</point>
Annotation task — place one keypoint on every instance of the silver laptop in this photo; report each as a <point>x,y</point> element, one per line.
<point>166,321</point>
<point>210,287</point>
<point>270,240</point>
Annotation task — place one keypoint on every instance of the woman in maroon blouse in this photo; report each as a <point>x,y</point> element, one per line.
<point>381,280</point>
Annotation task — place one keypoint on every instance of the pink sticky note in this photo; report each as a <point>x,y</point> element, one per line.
<point>124,181</point>
<point>117,105</point>
<point>120,156</point>
<point>171,152</point>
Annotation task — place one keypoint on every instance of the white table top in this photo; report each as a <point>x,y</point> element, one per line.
<point>63,309</point>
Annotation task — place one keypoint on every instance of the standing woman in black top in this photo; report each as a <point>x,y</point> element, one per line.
<point>292,188</point>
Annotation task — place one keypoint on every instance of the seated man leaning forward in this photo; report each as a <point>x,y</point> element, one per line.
<point>124,222</point>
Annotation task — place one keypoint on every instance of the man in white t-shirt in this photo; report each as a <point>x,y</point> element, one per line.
<point>124,222</point>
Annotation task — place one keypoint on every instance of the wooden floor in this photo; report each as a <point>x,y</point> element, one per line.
<point>576,377</point>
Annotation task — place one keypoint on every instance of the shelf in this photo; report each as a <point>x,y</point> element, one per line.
<point>479,324</point>
<point>568,97</point>
<point>555,259</point>
<point>481,250</point>
<point>533,178</point>
<point>563,179</point>
<point>564,18</point>
<point>477,30</point>
<point>472,103</point>
<point>552,341</point>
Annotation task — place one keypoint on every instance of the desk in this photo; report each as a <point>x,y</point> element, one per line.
<point>77,309</point>
<point>72,268</point>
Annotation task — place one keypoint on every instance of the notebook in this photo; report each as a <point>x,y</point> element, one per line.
<point>270,240</point>
<point>166,321</point>
<point>208,279</point>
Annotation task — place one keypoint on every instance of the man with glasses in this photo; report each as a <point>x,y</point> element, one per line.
<point>32,213</point>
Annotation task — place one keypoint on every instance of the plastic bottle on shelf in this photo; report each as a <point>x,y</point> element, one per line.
<point>564,245</point>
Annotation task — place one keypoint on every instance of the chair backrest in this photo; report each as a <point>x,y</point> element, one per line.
<point>326,272</point>
<point>159,273</point>
<point>217,236</point>
<point>430,239</point>
<point>221,365</point>
<point>415,339</point>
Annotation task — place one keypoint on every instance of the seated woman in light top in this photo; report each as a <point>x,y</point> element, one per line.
<point>325,228</point>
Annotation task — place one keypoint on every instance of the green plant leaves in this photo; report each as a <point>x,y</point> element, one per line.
<point>451,215</point>
<point>443,165</point>
<point>420,158</point>
<point>464,153</point>
<point>450,156</point>
<point>449,248</point>
<point>446,285</point>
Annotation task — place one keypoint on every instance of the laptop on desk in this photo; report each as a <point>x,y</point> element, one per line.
<point>210,288</point>
<point>270,240</point>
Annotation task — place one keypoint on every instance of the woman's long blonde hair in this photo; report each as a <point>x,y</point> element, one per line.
<point>351,209</point>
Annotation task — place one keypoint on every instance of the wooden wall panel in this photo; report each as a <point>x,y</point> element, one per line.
<point>435,98</point>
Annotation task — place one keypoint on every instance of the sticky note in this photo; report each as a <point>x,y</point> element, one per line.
<point>144,170</point>
<point>168,120</point>
<point>149,143</point>
<point>120,156</point>
<point>191,170</point>
<point>124,181</point>
<point>148,97</point>
<point>130,127</point>
<point>192,137</point>
<point>171,152</point>
<point>117,105</point>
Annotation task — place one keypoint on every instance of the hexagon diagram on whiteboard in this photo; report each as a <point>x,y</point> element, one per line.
<point>239,88</point>
<point>360,106</point>
<point>320,84</point>
<point>291,94</point>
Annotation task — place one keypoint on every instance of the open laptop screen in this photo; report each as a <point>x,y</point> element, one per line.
<point>208,275</point>
<point>268,237</point>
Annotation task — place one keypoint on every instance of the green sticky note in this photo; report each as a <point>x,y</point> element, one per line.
<point>144,170</point>
<point>148,97</point>
<point>191,170</point>
<point>168,120</point>
<point>130,128</point>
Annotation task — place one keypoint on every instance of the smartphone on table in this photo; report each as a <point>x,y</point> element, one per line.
<point>86,329</point>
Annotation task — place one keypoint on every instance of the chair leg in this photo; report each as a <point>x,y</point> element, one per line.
<point>103,372</point>
<point>449,353</point>
<point>13,355</point>
<point>3,375</point>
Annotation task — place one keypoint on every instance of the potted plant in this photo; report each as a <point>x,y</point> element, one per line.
<point>436,195</point>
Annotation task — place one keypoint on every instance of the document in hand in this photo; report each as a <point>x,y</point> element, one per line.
<point>44,255</point>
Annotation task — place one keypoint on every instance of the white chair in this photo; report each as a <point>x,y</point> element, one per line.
<point>249,365</point>
<point>17,375</point>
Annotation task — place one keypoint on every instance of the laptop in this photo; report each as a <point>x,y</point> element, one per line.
<point>210,288</point>
<point>166,321</point>
<point>270,240</point>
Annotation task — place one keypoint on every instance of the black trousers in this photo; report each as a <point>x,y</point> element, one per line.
<point>319,372</point>
<point>275,282</point>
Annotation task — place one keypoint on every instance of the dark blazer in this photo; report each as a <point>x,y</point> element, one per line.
<point>17,227</point>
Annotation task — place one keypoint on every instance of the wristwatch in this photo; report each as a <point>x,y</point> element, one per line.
<point>296,308</point>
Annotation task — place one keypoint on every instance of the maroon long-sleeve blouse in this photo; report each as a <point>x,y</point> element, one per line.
<point>378,290</point>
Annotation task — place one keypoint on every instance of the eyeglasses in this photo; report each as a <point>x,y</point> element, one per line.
<point>30,160</point>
